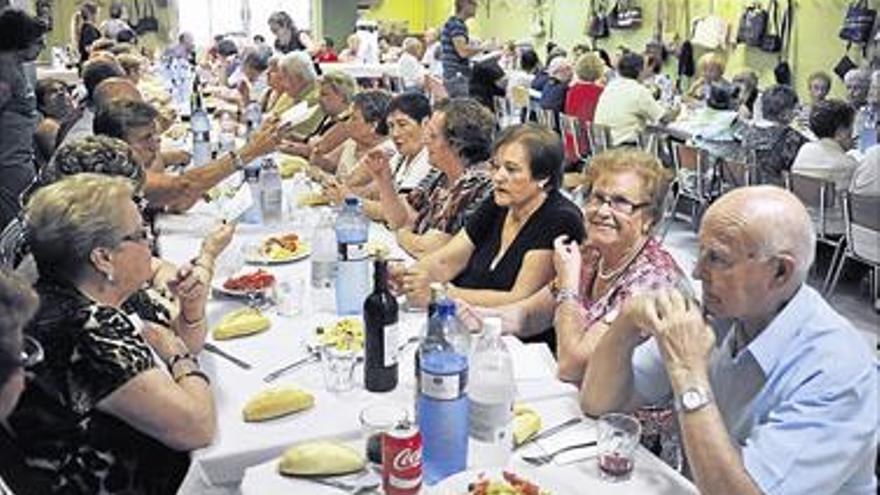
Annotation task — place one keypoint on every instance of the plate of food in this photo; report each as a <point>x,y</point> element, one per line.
<point>497,481</point>
<point>275,249</point>
<point>245,283</point>
<point>346,334</point>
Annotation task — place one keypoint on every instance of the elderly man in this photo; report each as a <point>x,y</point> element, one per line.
<point>857,82</point>
<point>785,401</point>
<point>299,82</point>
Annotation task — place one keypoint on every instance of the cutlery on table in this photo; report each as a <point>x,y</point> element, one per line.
<point>313,355</point>
<point>353,488</point>
<point>540,460</point>
<point>213,349</point>
<point>550,431</point>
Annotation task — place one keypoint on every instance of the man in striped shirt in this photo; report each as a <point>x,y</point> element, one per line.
<point>456,50</point>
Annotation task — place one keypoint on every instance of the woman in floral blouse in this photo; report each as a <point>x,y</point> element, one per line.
<point>459,138</point>
<point>100,415</point>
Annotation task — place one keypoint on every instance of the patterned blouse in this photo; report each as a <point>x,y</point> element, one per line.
<point>447,208</point>
<point>652,269</point>
<point>91,350</point>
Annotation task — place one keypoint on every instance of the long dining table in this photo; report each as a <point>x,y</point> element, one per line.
<point>243,456</point>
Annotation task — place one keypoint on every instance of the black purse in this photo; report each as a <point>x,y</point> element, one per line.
<point>626,14</point>
<point>858,23</point>
<point>772,40</point>
<point>752,26</point>
<point>147,22</point>
<point>844,65</point>
<point>598,26</point>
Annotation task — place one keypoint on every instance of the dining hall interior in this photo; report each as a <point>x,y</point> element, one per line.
<point>440,247</point>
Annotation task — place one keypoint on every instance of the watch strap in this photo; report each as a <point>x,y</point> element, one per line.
<point>703,394</point>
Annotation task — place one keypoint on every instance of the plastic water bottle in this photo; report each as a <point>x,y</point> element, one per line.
<point>442,400</point>
<point>866,125</point>
<point>271,194</point>
<point>226,140</point>
<point>200,125</point>
<point>438,294</point>
<point>253,116</point>
<point>324,263</point>
<point>352,284</point>
<point>491,393</point>
<point>252,180</point>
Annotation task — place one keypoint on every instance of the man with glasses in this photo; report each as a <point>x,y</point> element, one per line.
<point>18,302</point>
<point>775,392</point>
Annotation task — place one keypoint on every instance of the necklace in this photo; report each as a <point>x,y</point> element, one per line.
<point>626,262</point>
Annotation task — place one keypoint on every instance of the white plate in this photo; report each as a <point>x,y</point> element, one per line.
<point>255,257</point>
<point>547,482</point>
<point>217,285</point>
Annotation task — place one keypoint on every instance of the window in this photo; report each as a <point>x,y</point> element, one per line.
<point>237,16</point>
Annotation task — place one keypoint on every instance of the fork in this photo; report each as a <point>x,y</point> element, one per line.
<point>550,431</point>
<point>354,488</point>
<point>540,460</point>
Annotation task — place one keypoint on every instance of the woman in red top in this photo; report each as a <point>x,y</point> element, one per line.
<point>583,95</point>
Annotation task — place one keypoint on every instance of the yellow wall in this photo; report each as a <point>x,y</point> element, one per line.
<point>815,45</point>
<point>419,15</point>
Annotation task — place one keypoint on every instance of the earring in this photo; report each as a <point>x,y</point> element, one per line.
<point>110,277</point>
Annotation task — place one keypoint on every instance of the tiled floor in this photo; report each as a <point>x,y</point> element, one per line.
<point>851,298</point>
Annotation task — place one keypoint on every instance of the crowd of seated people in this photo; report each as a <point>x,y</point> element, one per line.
<point>101,390</point>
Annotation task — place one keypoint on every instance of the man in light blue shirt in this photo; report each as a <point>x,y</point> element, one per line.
<point>781,397</point>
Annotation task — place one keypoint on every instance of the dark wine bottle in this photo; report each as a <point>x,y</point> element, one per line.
<point>380,322</point>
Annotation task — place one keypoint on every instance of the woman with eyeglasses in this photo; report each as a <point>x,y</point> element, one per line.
<point>18,302</point>
<point>619,258</point>
<point>106,412</point>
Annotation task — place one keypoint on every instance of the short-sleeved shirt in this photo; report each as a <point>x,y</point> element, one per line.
<point>453,63</point>
<point>556,216</point>
<point>91,350</point>
<point>626,106</point>
<point>447,207</point>
<point>652,269</point>
<point>800,402</point>
<point>774,146</point>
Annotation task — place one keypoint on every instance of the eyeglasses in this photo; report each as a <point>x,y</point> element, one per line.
<point>31,352</point>
<point>616,202</point>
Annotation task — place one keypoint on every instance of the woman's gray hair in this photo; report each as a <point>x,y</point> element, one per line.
<point>778,103</point>
<point>298,64</point>
<point>341,83</point>
<point>68,219</point>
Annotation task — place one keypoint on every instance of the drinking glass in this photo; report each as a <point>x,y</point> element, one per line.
<point>617,441</point>
<point>338,369</point>
<point>376,420</point>
<point>289,296</point>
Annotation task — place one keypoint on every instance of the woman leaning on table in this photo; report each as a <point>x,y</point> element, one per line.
<point>619,258</point>
<point>100,414</point>
<point>504,253</point>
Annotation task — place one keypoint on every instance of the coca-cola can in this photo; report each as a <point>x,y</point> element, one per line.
<point>402,460</point>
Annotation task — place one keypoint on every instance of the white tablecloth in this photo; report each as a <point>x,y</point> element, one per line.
<point>358,70</point>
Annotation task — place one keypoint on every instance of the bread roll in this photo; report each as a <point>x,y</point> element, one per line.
<point>526,423</point>
<point>276,402</point>
<point>245,321</point>
<point>320,459</point>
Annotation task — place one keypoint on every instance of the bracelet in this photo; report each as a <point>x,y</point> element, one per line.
<point>197,261</point>
<point>187,322</point>
<point>184,356</point>
<point>236,160</point>
<point>195,373</point>
<point>566,294</point>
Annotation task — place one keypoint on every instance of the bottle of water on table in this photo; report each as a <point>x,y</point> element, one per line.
<point>491,394</point>
<point>442,399</point>
<point>271,194</point>
<point>352,271</point>
<point>324,254</point>
<point>866,127</point>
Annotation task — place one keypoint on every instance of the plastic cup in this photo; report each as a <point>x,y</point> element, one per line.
<point>618,438</point>
<point>376,420</point>
<point>338,369</point>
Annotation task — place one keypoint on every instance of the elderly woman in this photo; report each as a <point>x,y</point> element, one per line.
<point>458,138</point>
<point>857,82</point>
<point>56,105</point>
<point>21,39</point>
<point>554,92</point>
<point>300,83</point>
<point>773,141</point>
<point>504,253</point>
<point>287,37</point>
<point>407,113</point>
<point>336,92</point>
<point>618,259</point>
<point>832,122</point>
<point>746,83</point>
<point>100,415</point>
<point>583,93</point>
<point>367,128</point>
<point>710,69</point>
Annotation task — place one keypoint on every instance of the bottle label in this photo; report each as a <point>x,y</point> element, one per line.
<point>442,387</point>
<point>390,345</point>
<point>489,422</point>
<point>352,251</point>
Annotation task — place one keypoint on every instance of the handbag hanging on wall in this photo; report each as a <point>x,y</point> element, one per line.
<point>782,71</point>
<point>626,14</point>
<point>147,22</point>
<point>752,26</point>
<point>598,26</point>
<point>772,40</point>
<point>858,23</point>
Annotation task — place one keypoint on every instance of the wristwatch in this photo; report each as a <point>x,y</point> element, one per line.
<point>693,399</point>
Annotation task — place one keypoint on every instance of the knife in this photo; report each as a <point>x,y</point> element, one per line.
<point>312,356</point>
<point>550,431</point>
<point>225,355</point>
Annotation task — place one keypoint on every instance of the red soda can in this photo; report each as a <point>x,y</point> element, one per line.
<point>402,460</point>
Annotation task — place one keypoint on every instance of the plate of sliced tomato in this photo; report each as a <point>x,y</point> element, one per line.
<point>245,283</point>
<point>496,481</point>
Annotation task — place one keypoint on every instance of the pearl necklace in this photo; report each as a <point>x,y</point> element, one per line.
<point>617,271</point>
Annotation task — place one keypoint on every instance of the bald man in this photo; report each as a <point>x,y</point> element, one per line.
<point>775,392</point>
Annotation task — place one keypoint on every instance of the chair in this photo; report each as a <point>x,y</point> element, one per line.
<point>572,136</point>
<point>693,176</point>
<point>861,217</point>
<point>598,137</point>
<point>820,199</point>
<point>736,174</point>
<point>505,114</point>
<point>547,118</point>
